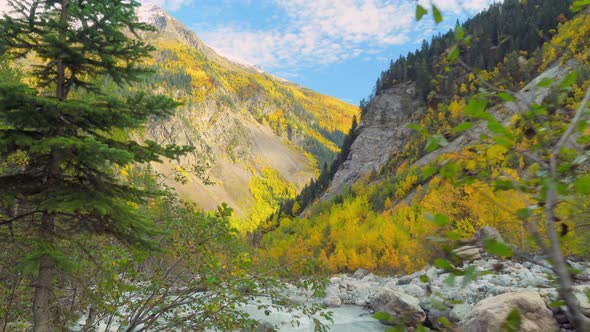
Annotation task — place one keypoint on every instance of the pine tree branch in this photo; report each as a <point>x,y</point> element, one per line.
<point>14,219</point>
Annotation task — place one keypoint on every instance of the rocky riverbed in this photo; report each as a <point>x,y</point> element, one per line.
<point>426,296</point>
<point>479,305</point>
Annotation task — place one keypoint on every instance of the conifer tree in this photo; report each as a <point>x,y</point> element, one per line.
<point>62,124</point>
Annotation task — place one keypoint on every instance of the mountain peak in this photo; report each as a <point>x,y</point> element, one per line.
<point>153,15</point>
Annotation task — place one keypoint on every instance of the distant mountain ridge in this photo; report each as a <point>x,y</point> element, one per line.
<point>262,138</point>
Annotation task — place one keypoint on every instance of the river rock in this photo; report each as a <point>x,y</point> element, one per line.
<point>370,278</point>
<point>490,313</point>
<point>332,301</point>
<point>360,273</point>
<point>460,312</point>
<point>435,308</point>
<point>404,280</point>
<point>413,290</point>
<point>336,280</point>
<point>403,308</point>
<point>581,295</point>
<point>361,294</point>
<point>488,233</point>
<point>468,253</point>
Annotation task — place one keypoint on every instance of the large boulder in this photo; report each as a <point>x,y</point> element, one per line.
<point>487,233</point>
<point>360,273</point>
<point>491,313</point>
<point>459,312</point>
<point>402,308</point>
<point>332,301</point>
<point>468,253</point>
<point>581,293</point>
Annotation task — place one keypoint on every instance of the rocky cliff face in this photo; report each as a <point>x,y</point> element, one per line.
<point>382,131</point>
<point>252,132</point>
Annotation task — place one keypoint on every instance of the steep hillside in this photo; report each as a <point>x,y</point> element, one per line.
<point>261,138</point>
<point>382,132</point>
<point>375,213</point>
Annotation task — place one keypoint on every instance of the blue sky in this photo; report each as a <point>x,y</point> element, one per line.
<point>336,47</point>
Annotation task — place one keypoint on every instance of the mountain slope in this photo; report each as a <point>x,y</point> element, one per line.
<point>261,137</point>
<point>375,212</point>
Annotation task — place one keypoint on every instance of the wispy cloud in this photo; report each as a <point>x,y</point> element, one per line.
<point>4,7</point>
<point>458,6</point>
<point>171,5</point>
<point>319,32</point>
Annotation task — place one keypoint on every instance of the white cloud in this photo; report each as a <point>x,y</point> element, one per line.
<point>171,5</point>
<point>318,32</point>
<point>4,6</point>
<point>458,6</point>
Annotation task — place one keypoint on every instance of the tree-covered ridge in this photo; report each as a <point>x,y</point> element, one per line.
<point>390,206</point>
<point>504,32</point>
<point>511,34</point>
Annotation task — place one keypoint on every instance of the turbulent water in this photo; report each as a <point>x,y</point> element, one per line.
<point>347,318</point>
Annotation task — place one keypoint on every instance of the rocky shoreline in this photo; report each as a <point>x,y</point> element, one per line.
<point>480,305</point>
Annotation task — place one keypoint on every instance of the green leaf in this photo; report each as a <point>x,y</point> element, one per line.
<point>436,14</point>
<point>455,235</point>
<point>582,184</point>
<point>450,280</point>
<point>475,107</point>
<point>568,81</point>
<point>448,170</point>
<point>428,172</point>
<point>578,5</point>
<point>435,141</point>
<point>422,328</point>
<point>443,264</point>
<point>418,128</point>
<point>544,83</point>
<point>500,185</point>
<point>444,321</point>
<point>496,127</point>
<point>424,278</point>
<point>513,322</point>
<point>459,32</point>
<point>556,304</point>
<point>497,248</point>
<point>397,328</point>
<point>506,96</point>
<point>438,219</point>
<point>581,126</point>
<point>381,315</point>
<point>524,214</point>
<point>420,12</point>
<point>453,53</point>
<point>470,275</point>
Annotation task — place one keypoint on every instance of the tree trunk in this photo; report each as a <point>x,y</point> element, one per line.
<point>44,282</point>
<point>41,300</point>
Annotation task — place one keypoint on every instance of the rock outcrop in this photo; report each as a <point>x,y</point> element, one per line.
<point>400,307</point>
<point>382,131</point>
<point>491,313</point>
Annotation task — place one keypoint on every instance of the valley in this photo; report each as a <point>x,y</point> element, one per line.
<point>148,182</point>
